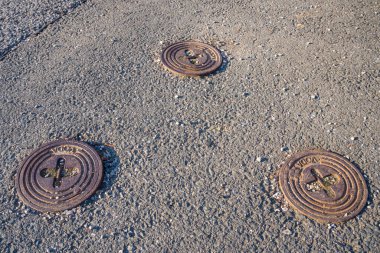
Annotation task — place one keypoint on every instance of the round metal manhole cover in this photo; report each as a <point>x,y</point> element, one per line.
<point>191,58</point>
<point>323,186</point>
<point>59,175</point>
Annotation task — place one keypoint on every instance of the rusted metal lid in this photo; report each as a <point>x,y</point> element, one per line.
<point>59,175</point>
<point>191,58</point>
<point>323,186</point>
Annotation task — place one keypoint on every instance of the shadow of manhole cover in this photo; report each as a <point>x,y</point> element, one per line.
<point>323,186</point>
<point>59,175</point>
<point>191,58</point>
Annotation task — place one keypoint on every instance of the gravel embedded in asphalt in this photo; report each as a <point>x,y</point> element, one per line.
<point>181,173</point>
<point>19,20</point>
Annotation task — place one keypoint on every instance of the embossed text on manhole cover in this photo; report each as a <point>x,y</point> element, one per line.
<point>59,175</point>
<point>191,58</point>
<point>323,186</point>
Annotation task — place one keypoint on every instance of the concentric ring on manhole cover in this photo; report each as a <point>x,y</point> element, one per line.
<point>191,58</point>
<point>59,175</point>
<point>323,186</point>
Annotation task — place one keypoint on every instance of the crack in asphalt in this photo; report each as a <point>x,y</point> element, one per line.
<point>20,21</point>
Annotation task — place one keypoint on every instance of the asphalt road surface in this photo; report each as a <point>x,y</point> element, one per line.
<point>20,20</point>
<point>182,172</point>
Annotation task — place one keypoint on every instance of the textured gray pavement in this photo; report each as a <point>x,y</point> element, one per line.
<point>181,153</point>
<point>21,19</point>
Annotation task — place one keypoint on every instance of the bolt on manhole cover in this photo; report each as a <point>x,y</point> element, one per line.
<point>59,175</point>
<point>191,58</point>
<point>323,186</point>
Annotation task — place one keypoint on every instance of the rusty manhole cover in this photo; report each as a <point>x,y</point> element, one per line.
<point>323,186</point>
<point>59,175</point>
<point>191,58</point>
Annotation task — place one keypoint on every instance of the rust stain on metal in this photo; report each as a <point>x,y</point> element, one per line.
<point>191,58</point>
<point>59,175</point>
<point>323,186</point>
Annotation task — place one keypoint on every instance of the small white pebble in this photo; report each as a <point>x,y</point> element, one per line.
<point>354,138</point>
<point>330,226</point>
<point>284,208</point>
<point>287,232</point>
<point>260,159</point>
<point>314,96</point>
